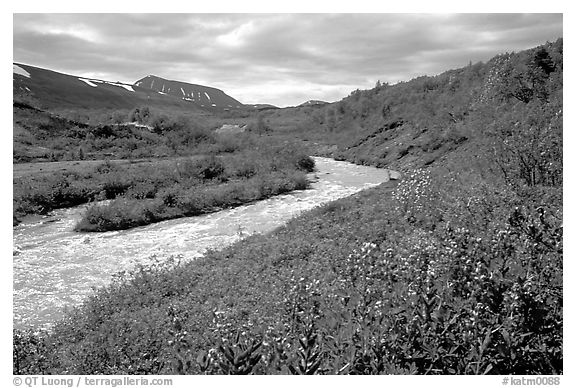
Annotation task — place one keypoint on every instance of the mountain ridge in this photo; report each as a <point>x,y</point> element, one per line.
<point>50,89</point>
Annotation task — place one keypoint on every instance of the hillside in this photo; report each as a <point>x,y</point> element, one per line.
<point>417,123</point>
<point>203,96</point>
<point>455,269</point>
<point>64,117</point>
<point>52,90</point>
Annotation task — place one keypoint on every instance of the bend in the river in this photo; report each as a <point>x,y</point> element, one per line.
<point>55,267</point>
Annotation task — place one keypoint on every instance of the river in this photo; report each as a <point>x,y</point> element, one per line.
<point>55,267</point>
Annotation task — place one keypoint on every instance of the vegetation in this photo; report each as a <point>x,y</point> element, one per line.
<point>415,124</point>
<point>200,186</point>
<point>456,269</point>
<point>243,169</point>
<point>473,287</point>
<point>140,133</point>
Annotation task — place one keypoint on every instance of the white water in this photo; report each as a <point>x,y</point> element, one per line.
<point>55,267</point>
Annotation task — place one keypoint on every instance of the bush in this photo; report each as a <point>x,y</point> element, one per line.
<point>120,214</point>
<point>305,163</point>
<point>205,168</point>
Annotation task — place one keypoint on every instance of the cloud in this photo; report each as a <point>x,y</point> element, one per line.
<point>282,59</point>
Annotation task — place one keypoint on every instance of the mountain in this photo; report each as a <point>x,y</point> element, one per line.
<point>49,89</point>
<point>204,96</point>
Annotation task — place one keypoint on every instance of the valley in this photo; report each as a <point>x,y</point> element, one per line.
<point>455,268</point>
<point>67,276</point>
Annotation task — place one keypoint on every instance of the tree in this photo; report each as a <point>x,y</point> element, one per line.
<point>543,61</point>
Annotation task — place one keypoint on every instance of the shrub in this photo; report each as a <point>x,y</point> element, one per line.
<point>305,163</point>
<point>205,168</point>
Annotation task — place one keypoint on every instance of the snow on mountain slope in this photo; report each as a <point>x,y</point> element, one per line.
<point>203,96</point>
<point>89,82</point>
<point>18,70</point>
<point>125,86</point>
<point>53,90</point>
<point>93,82</point>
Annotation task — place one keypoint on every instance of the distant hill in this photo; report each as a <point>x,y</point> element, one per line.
<point>314,103</point>
<point>203,96</point>
<point>49,89</point>
<point>261,106</point>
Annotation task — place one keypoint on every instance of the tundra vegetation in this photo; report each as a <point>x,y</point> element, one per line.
<point>455,269</point>
<point>140,133</point>
<point>238,170</point>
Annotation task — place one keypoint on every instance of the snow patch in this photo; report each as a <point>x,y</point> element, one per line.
<point>20,71</point>
<point>127,87</point>
<point>26,87</point>
<point>93,82</point>
<point>213,104</point>
<point>88,82</point>
<point>162,93</point>
<point>184,93</point>
<point>207,96</point>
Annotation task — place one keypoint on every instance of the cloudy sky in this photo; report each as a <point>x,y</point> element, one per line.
<point>281,59</point>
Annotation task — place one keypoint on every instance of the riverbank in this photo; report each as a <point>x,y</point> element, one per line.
<point>361,278</point>
<point>332,276</point>
<point>151,191</point>
<point>56,267</point>
<point>180,202</point>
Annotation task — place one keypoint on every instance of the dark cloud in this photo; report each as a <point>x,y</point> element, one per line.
<point>281,59</point>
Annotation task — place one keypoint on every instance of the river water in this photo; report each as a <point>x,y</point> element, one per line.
<point>55,267</point>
